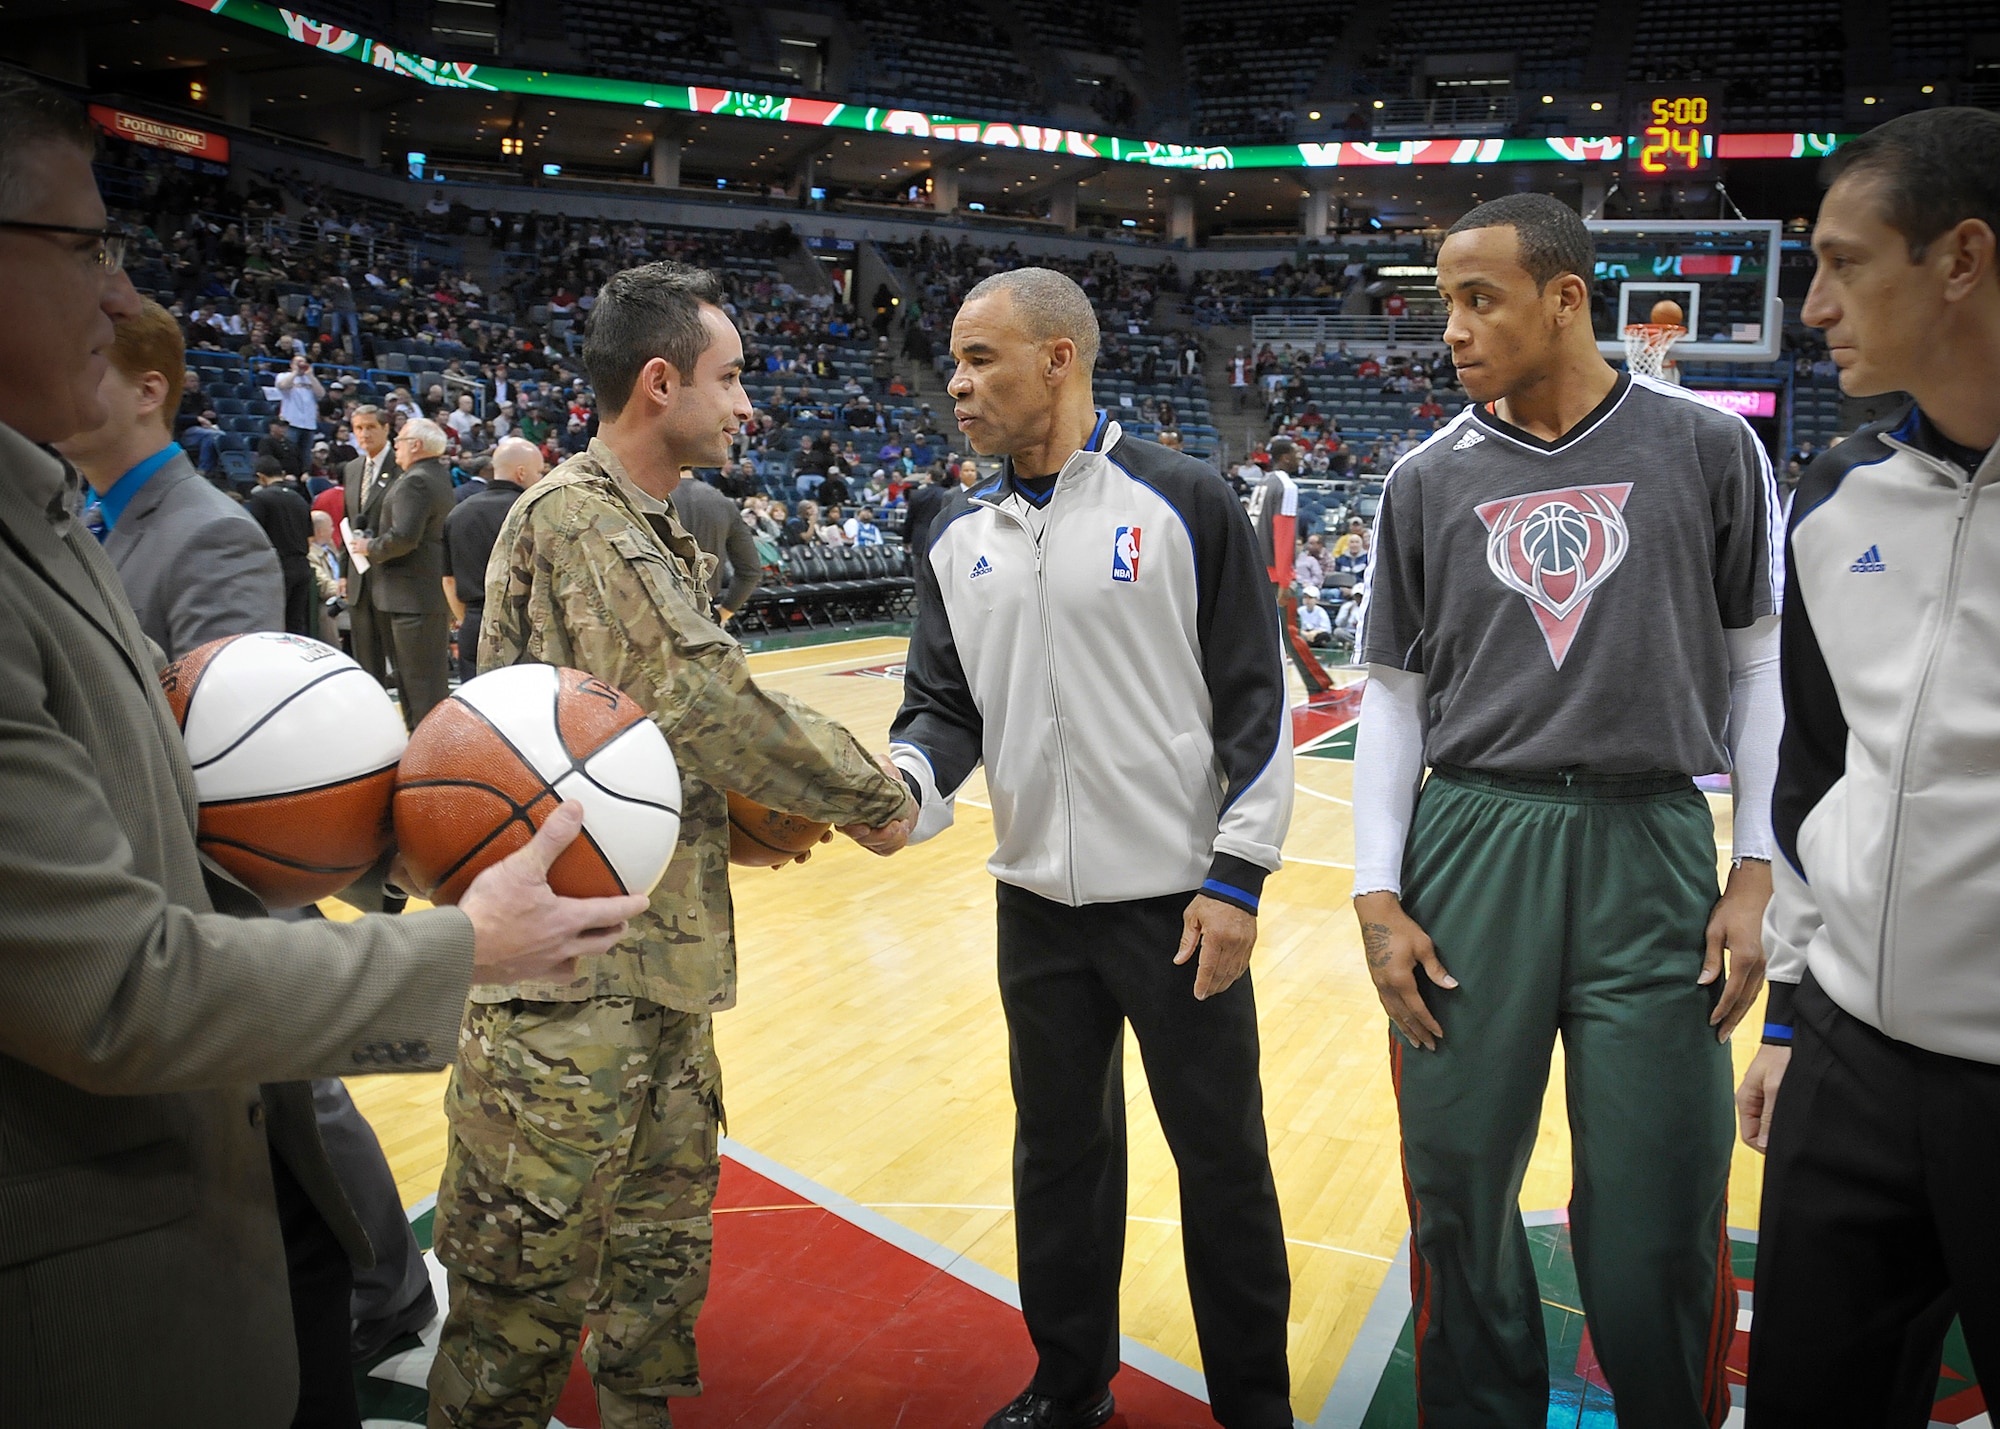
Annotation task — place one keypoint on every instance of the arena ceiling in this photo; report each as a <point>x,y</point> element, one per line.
<point>160,50</point>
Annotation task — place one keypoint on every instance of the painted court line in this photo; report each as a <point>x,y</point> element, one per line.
<point>1330,798</point>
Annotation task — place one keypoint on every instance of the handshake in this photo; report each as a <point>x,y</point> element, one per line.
<point>524,931</point>
<point>885,839</point>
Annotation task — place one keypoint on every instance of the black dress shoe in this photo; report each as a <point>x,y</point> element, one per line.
<point>1044,1411</point>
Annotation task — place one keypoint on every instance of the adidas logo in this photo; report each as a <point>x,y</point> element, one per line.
<point>1870,562</point>
<point>980,567</point>
<point>1471,438</point>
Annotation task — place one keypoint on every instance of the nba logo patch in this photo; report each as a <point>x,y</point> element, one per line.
<point>1125,554</point>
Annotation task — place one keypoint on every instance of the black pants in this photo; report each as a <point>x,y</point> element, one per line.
<point>300,616</point>
<point>468,644</point>
<point>416,644</point>
<point>1069,980</point>
<point>397,1288</point>
<point>1878,1226</point>
<point>321,1281</point>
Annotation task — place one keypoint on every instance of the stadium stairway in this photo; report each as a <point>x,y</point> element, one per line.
<point>1243,430</point>
<point>803,271</point>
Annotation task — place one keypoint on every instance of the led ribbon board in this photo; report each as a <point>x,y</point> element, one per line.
<point>347,44</point>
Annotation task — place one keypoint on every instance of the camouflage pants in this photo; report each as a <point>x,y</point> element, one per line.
<point>576,1193</point>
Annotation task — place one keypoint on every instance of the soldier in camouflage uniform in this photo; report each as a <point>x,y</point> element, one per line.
<point>585,1114</point>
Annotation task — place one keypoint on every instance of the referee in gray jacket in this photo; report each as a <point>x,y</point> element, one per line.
<point>1095,628</point>
<point>1877,1092</point>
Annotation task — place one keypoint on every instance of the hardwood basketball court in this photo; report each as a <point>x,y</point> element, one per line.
<point>867,1054</point>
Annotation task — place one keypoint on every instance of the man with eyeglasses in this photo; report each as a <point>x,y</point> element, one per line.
<point>145,1173</point>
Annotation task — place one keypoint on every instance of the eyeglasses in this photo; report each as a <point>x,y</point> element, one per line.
<point>109,253</point>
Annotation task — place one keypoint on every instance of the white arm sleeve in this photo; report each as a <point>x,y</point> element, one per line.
<point>1388,767</point>
<point>1756,720</point>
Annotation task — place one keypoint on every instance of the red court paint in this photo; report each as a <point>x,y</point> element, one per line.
<point>814,1323</point>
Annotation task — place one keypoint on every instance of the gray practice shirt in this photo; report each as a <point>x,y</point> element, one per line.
<point>1566,600</point>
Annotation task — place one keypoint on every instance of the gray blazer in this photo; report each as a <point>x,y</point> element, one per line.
<point>406,552</point>
<point>195,565</point>
<point>142,1275</point>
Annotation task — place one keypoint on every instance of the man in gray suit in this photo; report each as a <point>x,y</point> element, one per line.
<point>194,575</point>
<point>193,562</point>
<point>401,537</point>
<point>142,1274</point>
<point>365,481</point>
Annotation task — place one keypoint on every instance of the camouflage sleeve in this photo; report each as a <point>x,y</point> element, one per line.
<point>630,624</point>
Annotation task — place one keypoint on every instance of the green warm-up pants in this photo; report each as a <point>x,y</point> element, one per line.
<point>1573,905</point>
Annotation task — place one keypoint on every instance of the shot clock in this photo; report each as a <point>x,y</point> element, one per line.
<point>1673,135</point>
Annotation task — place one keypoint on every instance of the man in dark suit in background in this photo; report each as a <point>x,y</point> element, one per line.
<point>401,537</point>
<point>194,564</point>
<point>365,481</point>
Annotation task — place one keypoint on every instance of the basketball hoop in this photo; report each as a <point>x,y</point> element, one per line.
<point>1646,346</point>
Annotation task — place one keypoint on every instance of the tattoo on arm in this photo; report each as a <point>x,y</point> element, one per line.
<point>1375,943</point>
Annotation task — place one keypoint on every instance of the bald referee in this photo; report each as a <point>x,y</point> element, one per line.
<point>1571,612</point>
<point>1094,626</point>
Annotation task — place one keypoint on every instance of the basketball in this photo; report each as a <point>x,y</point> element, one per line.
<point>765,838</point>
<point>294,748</point>
<point>487,766</point>
<point>1667,313</point>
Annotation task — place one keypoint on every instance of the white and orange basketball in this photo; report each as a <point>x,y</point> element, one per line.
<point>294,748</point>
<point>487,766</point>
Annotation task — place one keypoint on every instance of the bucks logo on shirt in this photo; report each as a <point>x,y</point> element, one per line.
<point>1556,548</point>
<point>1566,600</point>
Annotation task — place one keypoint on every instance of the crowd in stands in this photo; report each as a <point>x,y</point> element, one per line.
<point>299,308</point>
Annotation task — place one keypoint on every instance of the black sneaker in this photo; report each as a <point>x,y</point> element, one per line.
<point>1044,1411</point>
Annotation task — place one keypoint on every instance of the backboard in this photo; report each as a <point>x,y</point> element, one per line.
<point>1723,273</point>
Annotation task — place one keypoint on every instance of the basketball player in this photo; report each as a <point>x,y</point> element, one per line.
<point>1884,1021</point>
<point>1570,613</point>
<point>1095,626</point>
<point>585,1112</point>
<point>1274,511</point>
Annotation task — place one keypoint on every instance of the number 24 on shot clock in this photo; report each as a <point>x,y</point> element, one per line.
<point>1673,133</point>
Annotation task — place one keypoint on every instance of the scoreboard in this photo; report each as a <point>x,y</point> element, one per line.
<point>1672,135</point>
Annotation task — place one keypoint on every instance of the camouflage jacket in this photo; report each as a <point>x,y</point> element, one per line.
<point>581,577</point>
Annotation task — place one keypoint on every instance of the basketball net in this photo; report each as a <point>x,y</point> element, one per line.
<point>1646,346</point>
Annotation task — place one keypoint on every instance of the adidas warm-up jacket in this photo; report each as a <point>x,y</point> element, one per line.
<point>1120,680</point>
<point>1887,804</point>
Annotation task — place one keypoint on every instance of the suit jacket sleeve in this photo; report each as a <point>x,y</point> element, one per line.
<point>408,505</point>
<point>117,990</point>
<point>226,583</point>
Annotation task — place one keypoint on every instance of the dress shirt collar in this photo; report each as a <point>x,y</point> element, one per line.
<point>113,502</point>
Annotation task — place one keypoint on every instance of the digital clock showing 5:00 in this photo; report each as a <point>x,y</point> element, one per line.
<point>1672,130</point>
